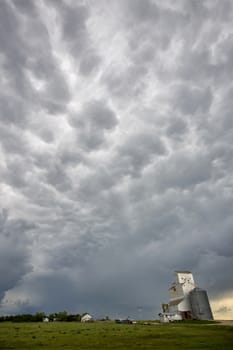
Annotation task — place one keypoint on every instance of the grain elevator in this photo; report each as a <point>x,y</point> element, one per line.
<point>187,301</point>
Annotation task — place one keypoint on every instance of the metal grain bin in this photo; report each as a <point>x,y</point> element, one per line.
<point>200,304</point>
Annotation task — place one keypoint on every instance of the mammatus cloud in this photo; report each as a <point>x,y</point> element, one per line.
<point>91,123</point>
<point>115,153</point>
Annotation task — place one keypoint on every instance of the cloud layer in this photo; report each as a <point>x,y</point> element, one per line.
<point>115,153</point>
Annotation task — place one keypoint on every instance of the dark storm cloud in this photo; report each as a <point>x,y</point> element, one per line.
<point>28,55</point>
<point>76,36</point>
<point>89,294</point>
<point>14,257</point>
<point>116,143</point>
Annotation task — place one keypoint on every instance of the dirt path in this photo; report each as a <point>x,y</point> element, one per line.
<point>226,322</point>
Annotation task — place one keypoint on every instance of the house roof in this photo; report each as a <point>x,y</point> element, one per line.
<point>87,316</point>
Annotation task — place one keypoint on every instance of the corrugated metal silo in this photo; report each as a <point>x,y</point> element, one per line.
<point>200,304</point>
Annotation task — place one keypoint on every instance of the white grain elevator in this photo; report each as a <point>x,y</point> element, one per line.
<point>186,299</point>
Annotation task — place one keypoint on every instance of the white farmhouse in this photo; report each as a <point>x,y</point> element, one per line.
<point>87,318</point>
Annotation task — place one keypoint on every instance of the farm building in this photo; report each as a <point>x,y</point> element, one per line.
<point>87,318</point>
<point>186,300</point>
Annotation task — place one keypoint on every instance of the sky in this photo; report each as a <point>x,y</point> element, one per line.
<point>116,154</point>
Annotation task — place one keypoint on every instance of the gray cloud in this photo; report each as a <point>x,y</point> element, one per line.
<point>32,56</point>
<point>88,62</point>
<point>126,83</point>
<point>177,128</point>
<point>138,151</point>
<point>12,140</point>
<point>74,26</point>
<point>25,6</point>
<point>14,257</point>
<point>91,124</point>
<point>184,171</point>
<point>143,11</point>
<point>115,153</point>
<point>192,100</point>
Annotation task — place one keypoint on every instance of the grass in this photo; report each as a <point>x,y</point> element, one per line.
<point>108,335</point>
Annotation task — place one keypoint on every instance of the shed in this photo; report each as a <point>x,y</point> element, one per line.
<point>87,318</point>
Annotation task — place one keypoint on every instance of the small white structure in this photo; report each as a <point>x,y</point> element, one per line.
<point>87,318</point>
<point>45,319</point>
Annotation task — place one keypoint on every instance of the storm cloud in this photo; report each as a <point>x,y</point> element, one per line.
<point>14,249</point>
<point>115,153</point>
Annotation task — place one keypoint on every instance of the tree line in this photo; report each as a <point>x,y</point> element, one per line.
<point>41,316</point>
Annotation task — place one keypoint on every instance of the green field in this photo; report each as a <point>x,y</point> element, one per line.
<point>108,335</point>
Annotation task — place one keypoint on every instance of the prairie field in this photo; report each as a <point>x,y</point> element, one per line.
<point>108,335</point>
